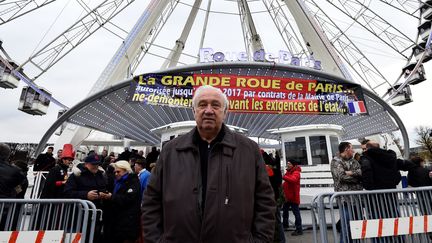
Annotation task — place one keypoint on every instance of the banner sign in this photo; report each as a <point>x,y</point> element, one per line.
<point>253,94</point>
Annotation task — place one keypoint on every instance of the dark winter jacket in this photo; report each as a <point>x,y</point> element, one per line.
<point>239,201</point>
<point>122,212</point>
<point>81,181</point>
<point>419,176</point>
<point>10,178</point>
<point>54,185</point>
<point>291,185</point>
<point>380,169</point>
<point>44,162</point>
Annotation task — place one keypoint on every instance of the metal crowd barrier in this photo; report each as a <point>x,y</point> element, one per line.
<point>396,215</point>
<point>36,183</point>
<point>73,219</point>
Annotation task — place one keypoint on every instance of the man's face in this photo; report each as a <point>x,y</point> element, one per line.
<point>363,147</point>
<point>67,161</point>
<point>209,112</point>
<point>93,168</point>
<point>49,151</point>
<point>138,167</point>
<point>349,151</point>
<point>59,153</point>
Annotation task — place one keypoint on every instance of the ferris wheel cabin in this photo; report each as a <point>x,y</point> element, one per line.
<point>32,102</point>
<point>402,97</point>
<point>417,77</point>
<point>7,79</point>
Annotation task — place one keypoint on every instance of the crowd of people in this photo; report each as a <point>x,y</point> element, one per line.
<point>375,169</point>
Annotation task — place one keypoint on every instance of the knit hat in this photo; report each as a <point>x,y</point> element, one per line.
<point>92,159</point>
<point>68,151</point>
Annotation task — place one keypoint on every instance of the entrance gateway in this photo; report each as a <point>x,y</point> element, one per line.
<point>293,97</point>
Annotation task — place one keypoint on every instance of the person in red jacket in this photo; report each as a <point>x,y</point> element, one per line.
<point>291,188</point>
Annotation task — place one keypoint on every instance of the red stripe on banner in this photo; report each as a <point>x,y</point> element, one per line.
<point>380,227</point>
<point>13,237</point>
<point>364,226</point>
<point>425,223</point>
<point>411,222</point>
<point>362,106</point>
<point>77,238</point>
<point>396,226</point>
<point>40,236</point>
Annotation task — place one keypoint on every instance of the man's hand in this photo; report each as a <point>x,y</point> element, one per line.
<point>105,196</point>
<point>92,195</point>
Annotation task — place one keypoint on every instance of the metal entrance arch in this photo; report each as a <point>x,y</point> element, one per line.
<point>108,111</point>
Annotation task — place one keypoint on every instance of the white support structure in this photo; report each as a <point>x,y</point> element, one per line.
<point>251,37</point>
<point>175,53</point>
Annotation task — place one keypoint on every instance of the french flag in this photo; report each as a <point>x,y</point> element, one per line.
<point>356,107</point>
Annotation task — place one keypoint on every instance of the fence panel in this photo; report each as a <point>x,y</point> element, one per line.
<point>397,215</point>
<point>76,218</point>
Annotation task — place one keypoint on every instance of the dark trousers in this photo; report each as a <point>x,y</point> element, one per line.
<point>296,211</point>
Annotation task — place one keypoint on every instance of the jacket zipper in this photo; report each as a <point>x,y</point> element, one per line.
<point>227,186</point>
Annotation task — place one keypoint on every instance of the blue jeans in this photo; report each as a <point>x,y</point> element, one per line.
<point>296,211</point>
<point>345,236</point>
<point>279,231</point>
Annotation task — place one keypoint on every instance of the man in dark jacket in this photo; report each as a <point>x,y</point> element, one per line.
<point>380,169</point>
<point>151,157</point>
<point>10,176</point>
<point>11,180</point>
<point>85,182</point>
<point>46,161</point>
<point>210,185</point>
<point>57,176</point>
<point>418,175</point>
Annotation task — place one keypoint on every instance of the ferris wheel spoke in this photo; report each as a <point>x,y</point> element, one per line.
<point>251,37</point>
<point>375,24</point>
<point>348,50</point>
<point>148,41</point>
<point>10,10</point>
<point>179,45</point>
<point>283,25</point>
<point>55,50</point>
<point>409,7</point>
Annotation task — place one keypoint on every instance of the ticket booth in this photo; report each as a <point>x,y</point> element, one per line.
<point>309,144</point>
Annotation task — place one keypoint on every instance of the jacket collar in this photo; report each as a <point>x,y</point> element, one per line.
<point>187,141</point>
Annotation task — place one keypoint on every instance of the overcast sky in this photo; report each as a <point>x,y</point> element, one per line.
<point>71,79</point>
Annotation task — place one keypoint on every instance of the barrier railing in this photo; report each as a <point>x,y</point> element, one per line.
<point>36,183</point>
<point>73,219</point>
<point>396,215</point>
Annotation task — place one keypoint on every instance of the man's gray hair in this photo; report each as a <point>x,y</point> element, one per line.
<point>200,89</point>
<point>5,151</point>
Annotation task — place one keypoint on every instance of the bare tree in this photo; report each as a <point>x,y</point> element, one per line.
<point>424,139</point>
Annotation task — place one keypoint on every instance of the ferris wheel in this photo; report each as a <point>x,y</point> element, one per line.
<point>353,39</point>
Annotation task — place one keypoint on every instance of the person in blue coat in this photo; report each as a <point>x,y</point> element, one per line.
<point>143,173</point>
<point>122,206</point>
